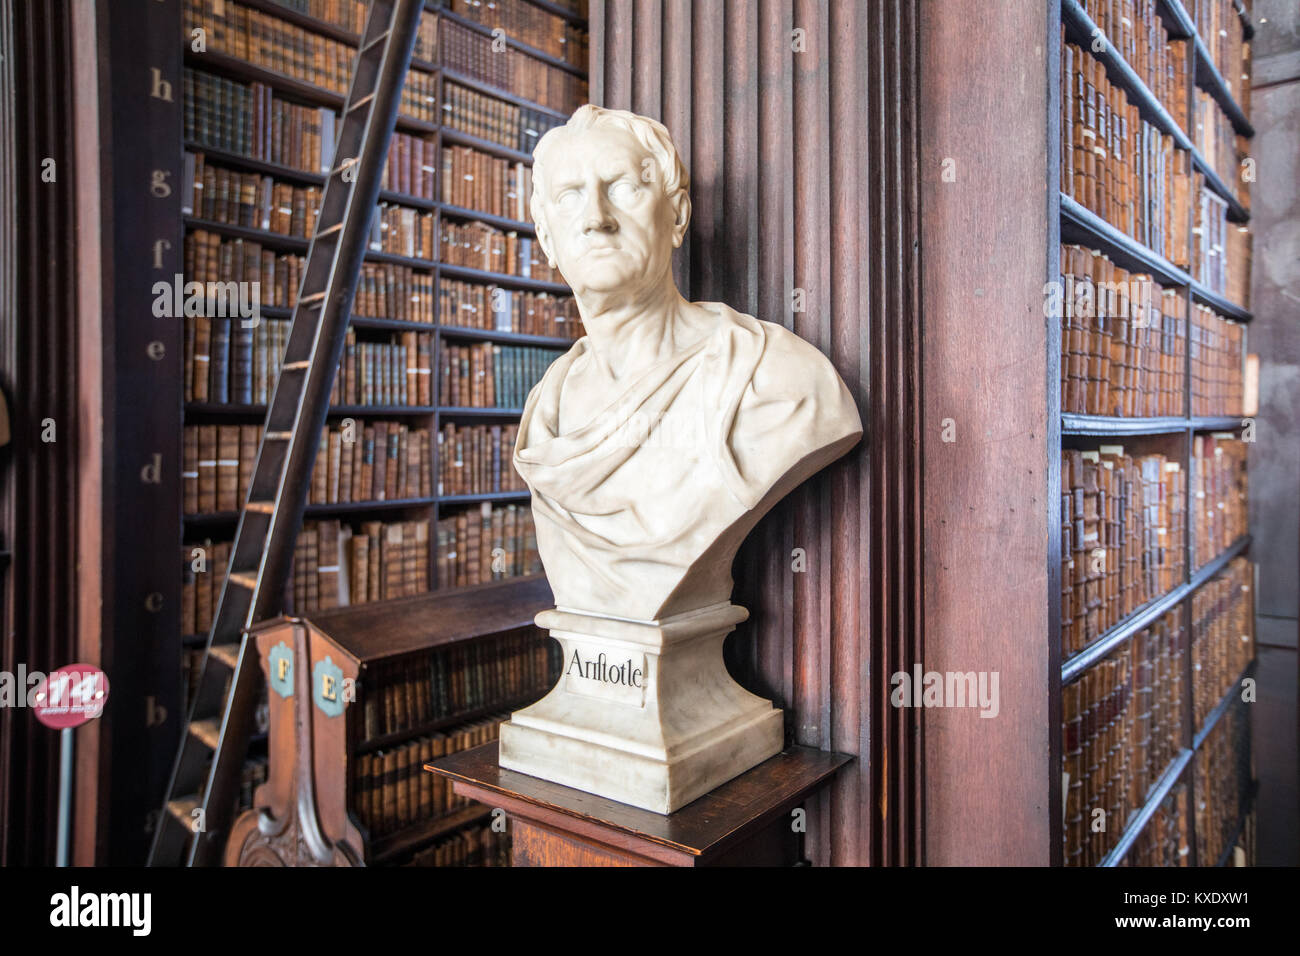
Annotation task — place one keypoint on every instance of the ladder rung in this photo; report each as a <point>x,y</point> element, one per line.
<point>181,808</point>
<point>228,654</point>
<point>278,436</point>
<point>347,164</point>
<point>208,731</point>
<point>361,102</point>
<point>261,507</point>
<point>337,227</point>
<point>376,41</point>
<point>295,366</point>
<point>244,580</point>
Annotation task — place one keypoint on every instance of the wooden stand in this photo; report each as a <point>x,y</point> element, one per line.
<point>320,673</point>
<point>747,821</point>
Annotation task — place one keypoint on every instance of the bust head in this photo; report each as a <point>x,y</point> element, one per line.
<point>610,202</point>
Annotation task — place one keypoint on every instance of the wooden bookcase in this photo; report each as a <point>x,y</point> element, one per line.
<point>359,696</point>
<point>1174,436</point>
<point>198,528</point>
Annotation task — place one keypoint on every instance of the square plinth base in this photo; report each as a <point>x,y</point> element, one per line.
<point>642,780</point>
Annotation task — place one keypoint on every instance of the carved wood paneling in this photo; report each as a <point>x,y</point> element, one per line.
<point>796,120</point>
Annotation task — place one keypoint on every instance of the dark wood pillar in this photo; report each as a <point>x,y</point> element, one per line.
<point>985,238</point>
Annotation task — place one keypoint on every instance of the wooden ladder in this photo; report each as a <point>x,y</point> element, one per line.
<point>204,783</point>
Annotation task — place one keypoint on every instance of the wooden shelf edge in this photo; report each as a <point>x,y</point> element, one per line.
<point>403,841</point>
<point>514,43</point>
<point>1219,304</point>
<point>1155,796</point>
<point>1103,425</point>
<point>452,720</point>
<point>1209,80</point>
<point>1144,616</point>
<point>1226,855</point>
<point>487,89</point>
<point>1083,224</point>
<point>1212,719</point>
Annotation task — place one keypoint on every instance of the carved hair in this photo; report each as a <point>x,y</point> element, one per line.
<point>652,135</point>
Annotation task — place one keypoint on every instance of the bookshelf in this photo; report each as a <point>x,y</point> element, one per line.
<point>1162,784</point>
<point>261,103</point>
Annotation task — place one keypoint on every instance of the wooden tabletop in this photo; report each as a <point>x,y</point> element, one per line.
<point>702,827</point>
<point>380,629</point>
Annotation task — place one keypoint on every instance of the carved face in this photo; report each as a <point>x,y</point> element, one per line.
<point>607,224</point>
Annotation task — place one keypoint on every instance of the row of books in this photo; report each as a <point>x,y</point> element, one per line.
<point>477,459</point>
<point>472,305</point>
<point>393,372</point>
<point>1122,521</point>
<point>334,566</point>
<point>250,120</point>
<point>273,44</point>
<point>474,180</point>
<point>403,231</point>
<point>473,54</point>
<point>385,290</point>
<point>257,201</point>
<point>391,790</point>
<point>472,846</point>
<point>1238,255</point>
<point>410,693</point>
<point>480,246</point>
<point>487,543</point>
<point>486,117</point>
<point>226,363</point>
<point>210,259</point>
<point>1119,166</point>
<point>219,114</point>
<point>251,200</point>
<point>1219,144</point>
<point>1219,25</point>
<point>1224,776</point>
<point>349,15</point>
<point>1135,30</point>
<point>1121,727</point>
<point>411,167</point>
<point>486,375</point>
<point>389,291</point>
<point>1165,840</point>
<point>1223,634</point>
<point>1219,493</point>
<point>357,461</point>
<point>1211,264</point>
<point>1123,339</point>
<point>1218,361</point>
<point>529,24</point>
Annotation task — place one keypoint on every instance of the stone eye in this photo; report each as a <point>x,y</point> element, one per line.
<point>623,191</point>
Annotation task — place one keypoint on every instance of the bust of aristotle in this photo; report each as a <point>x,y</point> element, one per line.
<point>657,442</point>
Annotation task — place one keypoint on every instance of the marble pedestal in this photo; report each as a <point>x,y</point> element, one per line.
<point>644,713</point>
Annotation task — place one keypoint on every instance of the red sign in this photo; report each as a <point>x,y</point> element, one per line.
<point>71,695</point>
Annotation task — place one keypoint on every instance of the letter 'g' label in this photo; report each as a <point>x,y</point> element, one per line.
<point>604,672</point>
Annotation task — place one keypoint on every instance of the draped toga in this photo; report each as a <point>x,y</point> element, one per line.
<point>640,508</point>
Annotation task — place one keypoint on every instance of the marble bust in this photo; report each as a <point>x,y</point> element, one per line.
<point>651,449</point>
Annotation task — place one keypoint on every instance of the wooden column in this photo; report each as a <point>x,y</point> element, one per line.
<point>985,237</point>
<point>796,120</point>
